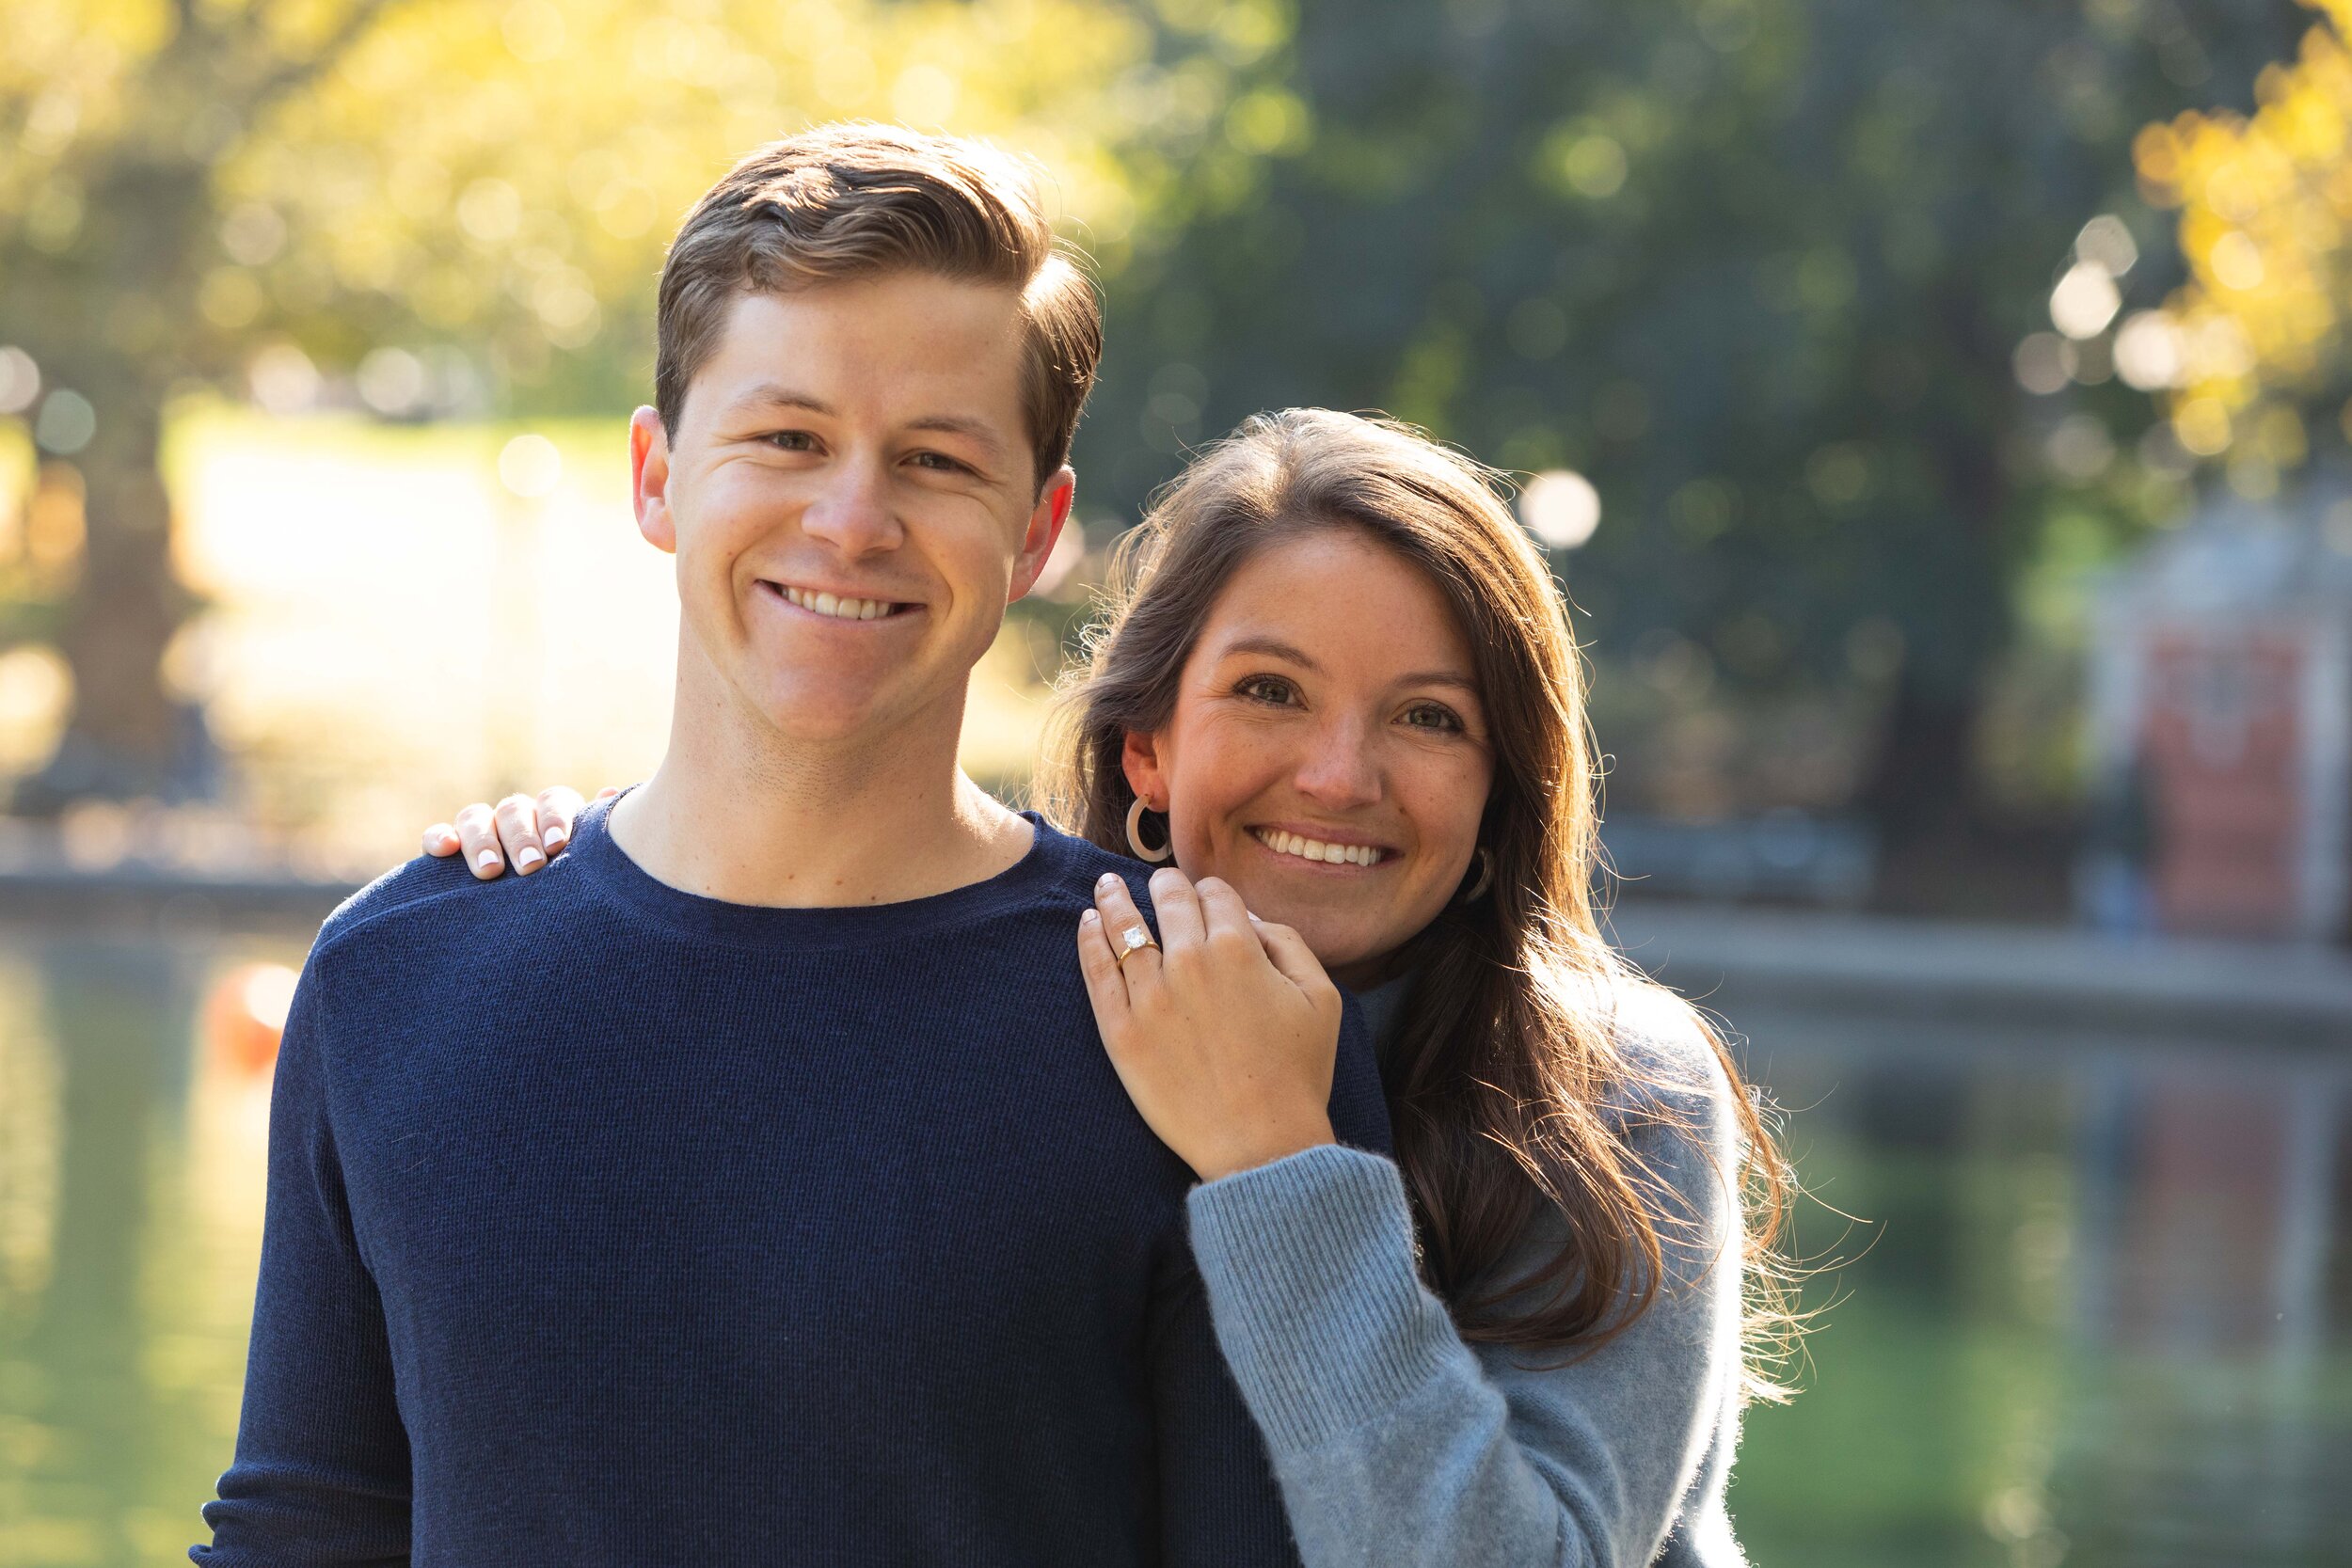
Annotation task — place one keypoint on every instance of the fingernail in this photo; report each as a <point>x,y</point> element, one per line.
<point>555,837</point>
<point>1089,918</point>
<point>527,856</point>
<point>488,859</point>
<point>1107,879</point>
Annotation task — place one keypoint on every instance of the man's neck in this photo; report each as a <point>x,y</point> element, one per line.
<point>734,816</point>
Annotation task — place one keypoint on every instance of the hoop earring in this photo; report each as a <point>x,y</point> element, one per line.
<point>1486,858</point>
<point>1134,837</point>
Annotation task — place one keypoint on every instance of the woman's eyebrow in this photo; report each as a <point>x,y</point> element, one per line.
<point>1275,647</point>
<point>1272,646</point>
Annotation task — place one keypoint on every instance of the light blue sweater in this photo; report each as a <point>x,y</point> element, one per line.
<point>1394,1442</point>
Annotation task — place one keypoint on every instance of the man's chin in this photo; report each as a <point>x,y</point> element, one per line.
<point>832,713</point>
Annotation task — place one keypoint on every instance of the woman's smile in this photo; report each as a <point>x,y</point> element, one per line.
<point>1327,850</point>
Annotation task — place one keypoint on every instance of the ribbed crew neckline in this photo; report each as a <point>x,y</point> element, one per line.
<point>596,853</point>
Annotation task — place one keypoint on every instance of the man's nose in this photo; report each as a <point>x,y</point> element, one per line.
<point>851,510</point>
<point>1340,770</point>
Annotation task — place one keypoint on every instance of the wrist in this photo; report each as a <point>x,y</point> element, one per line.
<point>1277,1144</point>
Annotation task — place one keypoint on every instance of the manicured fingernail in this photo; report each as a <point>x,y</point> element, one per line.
<point>1089,918</point>
<point>1107,879</point>
<point>555,837</point>
<point>486,860</point>
<point>527,858</point>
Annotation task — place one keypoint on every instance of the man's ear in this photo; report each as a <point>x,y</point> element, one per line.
<point>1045,525</point>
<point>649,480</point>
<point>1139,759</point>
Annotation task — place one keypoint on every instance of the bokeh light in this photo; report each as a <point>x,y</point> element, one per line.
<point>530,466</point>
<point>1560,508</point>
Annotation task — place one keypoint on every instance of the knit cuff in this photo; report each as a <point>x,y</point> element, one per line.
<point>1308,1265</point>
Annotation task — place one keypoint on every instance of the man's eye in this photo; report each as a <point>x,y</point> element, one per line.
<point>790,440</point>
<point>942,463</point>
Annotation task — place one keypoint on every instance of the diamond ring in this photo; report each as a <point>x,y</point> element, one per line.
<point>1134,939</point>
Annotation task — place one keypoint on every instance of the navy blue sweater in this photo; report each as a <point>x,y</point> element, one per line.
<point>610,1224</point>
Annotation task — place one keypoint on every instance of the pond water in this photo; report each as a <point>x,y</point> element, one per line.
<point>2094,1307</point>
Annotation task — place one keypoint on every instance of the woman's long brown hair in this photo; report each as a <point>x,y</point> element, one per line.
<point>1507,1049</point>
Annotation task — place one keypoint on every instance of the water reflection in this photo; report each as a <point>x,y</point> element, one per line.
<point>130,1198</point>
<point>2101,1314</point>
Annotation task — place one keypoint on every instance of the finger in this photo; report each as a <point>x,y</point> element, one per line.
<point>1105,987</point>
<point>518,832</point>
<point>1178,908</point>
<point>1292,956</point>
<point>1117,907</point>
<point>558,806</point>
<point>1223,916</point>
<point>441,839</point>
<point>478,834</point>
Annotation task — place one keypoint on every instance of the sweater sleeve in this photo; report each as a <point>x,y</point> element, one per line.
<point>1220,1501</point>
<point>1396,1442</point>
<point>322,1473</point>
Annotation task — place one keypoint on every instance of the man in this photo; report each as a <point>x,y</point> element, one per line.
<point>808,1221</point>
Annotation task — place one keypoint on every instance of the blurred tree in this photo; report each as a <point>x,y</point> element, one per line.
<point>2251,348</point>
<point>455,199</point>
<point>1761,268</point>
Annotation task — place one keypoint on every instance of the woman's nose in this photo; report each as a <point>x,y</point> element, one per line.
<point>1341,771</point>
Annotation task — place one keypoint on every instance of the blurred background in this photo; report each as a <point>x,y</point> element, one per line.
<point>1936,412</point>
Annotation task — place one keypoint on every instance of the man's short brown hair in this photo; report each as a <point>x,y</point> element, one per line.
<point>857,201</point>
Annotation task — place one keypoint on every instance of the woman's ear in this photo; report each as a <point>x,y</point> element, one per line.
<point>1139,759</point>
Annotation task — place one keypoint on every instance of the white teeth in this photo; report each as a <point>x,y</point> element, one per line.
<point>838,607</point>
<point>1316,849</point>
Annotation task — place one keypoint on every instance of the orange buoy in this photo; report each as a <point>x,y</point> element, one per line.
<point>246,1013</point>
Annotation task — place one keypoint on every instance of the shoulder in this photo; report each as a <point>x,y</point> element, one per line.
<point>426,878</point>
<point>1070,864</point>
<point>1672,1096</point>
<point>1667,1041</point>
<point>440,902</point>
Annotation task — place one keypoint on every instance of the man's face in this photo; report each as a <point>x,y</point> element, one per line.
<point>851,497</point>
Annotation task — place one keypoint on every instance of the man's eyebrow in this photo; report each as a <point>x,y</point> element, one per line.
<point>772,395</point>
<point>768,394</point>
<point>975,431</point>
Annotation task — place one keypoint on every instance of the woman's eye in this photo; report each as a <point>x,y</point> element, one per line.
<point>1267,688</point>
<point>1430,716</point>
<point>790,440</point>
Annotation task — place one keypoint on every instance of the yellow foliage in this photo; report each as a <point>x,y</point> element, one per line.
<point>508,171</point>
<point>2265,208</point>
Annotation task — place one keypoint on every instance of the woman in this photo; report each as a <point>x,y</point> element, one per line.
<point>1337,685</point>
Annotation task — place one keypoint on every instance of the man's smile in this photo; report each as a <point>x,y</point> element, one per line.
<point>835,606</point>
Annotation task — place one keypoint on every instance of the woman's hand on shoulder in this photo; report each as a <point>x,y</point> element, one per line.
<point>1225,1034</point>
<point>521,830</point>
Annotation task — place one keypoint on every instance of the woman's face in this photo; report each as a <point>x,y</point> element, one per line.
<point>1327,755</point>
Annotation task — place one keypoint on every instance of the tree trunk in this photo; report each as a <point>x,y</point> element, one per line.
<point>126,737</point>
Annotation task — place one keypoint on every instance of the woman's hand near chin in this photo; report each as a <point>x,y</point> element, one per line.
<point>1225,1035</point>
<point>521,830</point>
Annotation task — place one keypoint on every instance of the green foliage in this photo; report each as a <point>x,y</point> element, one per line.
<point>1758,267</point>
